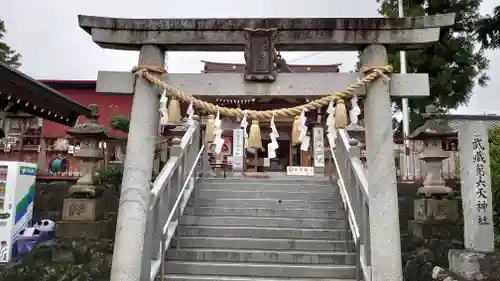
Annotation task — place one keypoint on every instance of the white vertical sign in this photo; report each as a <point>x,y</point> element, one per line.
<point>238,147</point>
<point>319,147</point>
<point>476,186</point>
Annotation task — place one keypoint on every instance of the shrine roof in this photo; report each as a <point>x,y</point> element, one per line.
<point>69,84</point>
<point>33,97</point>
<point>212,67</point>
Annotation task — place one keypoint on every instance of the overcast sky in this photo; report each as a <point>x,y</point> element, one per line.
<point>47,35</point>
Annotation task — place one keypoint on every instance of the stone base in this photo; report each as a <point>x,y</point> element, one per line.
<point>430,209</point>
<point>88,229</point>
<point>473,265</point>
<point>83,209</point>
<point>85,191</point>
<point>452,231</point>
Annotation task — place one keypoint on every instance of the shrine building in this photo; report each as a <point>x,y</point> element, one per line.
<point>287,153</point>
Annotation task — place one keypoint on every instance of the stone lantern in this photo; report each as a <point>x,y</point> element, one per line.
<point>90,134</point>
<point>431,134</point>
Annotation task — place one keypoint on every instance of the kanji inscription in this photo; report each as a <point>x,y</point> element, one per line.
<point>479,158</point>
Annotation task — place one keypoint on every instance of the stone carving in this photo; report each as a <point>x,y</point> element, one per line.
<point>82,209</point>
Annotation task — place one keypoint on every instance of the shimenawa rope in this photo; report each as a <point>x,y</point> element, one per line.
<point>370,74</point>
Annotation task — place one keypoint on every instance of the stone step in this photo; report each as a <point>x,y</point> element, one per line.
<point>263,221</point>
<point>269,203</point>
<point>264,212</point>
<point>189,277</point>
<point>263,232</point>
<point>281,180</point>
<point>272,187</point>
<point>261,269</point>
<point>262,256</point>
<point>265,243</point>
<point>264,194</point>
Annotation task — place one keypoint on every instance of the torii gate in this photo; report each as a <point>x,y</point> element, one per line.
<point>152,37</point>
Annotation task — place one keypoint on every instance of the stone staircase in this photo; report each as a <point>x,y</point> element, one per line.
<point>263,229</point>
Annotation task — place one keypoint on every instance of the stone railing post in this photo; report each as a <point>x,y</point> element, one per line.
<point>381,175</point>
<point>176,148</point>
<point>137,173</point>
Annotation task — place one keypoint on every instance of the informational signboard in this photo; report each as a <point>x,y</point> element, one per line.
<point>238,150</point>
<point>226,147</point>
<point>299,171</point>
<point>319,147</point>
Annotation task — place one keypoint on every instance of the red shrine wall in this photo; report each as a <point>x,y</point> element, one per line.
<point>109,105</point>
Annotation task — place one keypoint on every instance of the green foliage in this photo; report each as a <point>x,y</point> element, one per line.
<point>488,30</point>
<point>453,64</point>
<point>110,175</point>
<point>494,138</point>
<point>64,260</point>
<point>8,55</point>
<point>120,123</point>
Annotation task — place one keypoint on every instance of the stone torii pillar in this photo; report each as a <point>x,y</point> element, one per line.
<point>137,173</point>
<point>290,34</point>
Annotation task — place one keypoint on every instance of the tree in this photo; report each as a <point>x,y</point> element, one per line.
<point>8,55</point>
<point>488,30</point>
<point>494,139</point>
<point>453,64</point>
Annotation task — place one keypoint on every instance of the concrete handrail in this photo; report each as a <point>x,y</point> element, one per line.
<point>169,196</point>
<point>350,178</point>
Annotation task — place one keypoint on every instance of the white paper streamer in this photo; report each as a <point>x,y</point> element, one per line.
<point>303,138</point>
<point>355,111</point>
<point>244,125</point>
<point>330,123</point>
<point>190,113</point>
<point>218,140</point>
<point>217,121</point>
<point>273,145</point>
<point>304,145</point>
<point>271,153</point>
<point>163,108</point>
<point>330,119</point>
